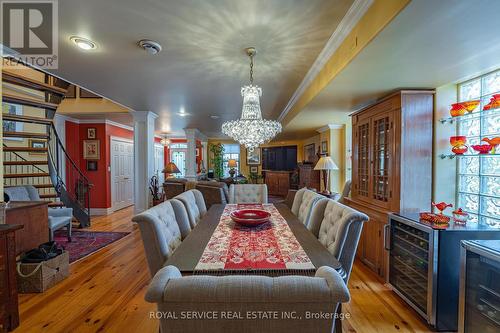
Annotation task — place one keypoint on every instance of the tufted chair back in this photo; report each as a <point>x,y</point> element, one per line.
<point>248,193</point>
<point>340,231</point>
<point>303,203</point>
<point>160,234</point>
<point>195,206</point>
<point>345,192</point>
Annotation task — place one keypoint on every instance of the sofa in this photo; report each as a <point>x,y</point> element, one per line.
<point>213,192</point>
<point>174,186</point>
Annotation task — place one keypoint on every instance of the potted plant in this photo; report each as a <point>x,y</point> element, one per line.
<point>217,151</point>
<point>154,188</point>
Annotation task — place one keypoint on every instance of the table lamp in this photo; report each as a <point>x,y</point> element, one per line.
<point>232,164</point>
<point>170,169</point>
<point>325,164</point>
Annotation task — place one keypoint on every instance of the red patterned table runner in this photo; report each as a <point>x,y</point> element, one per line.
<point>270,246</point>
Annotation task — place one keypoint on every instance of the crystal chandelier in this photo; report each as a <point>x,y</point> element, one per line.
<point>251,130</point>
<point>165,141</point>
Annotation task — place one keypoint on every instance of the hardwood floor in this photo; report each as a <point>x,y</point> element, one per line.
<point>105,293</point>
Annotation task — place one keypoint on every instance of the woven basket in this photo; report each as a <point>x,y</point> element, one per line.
<point>36,278</point>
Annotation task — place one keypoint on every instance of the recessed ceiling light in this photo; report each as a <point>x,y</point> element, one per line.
<point>83,43</point>
<point>150,46</point>
<point>214,116</point>
<point>183,114</point>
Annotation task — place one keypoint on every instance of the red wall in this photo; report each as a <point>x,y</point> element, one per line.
<point>100,195</point>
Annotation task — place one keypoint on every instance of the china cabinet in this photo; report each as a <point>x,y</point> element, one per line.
<point>392,165</point>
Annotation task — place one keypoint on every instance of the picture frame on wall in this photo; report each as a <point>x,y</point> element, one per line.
<point>35,143</point>
<point>324,147</point>
<point>91,150</point>
<point>91,133</point>
<point>92,165</point>
<point>254,169</point>
<point>310,153</point>
<point>254,157</point>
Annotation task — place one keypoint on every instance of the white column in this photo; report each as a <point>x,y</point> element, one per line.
<point>144,131</point>
<point>191,153</point>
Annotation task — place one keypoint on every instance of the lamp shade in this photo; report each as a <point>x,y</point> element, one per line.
<point>232,164</point>
<point>326,163</point>
<point>171,168</point>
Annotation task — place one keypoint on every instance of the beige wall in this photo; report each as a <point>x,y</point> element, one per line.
<point>444,170</point>
<point>1,143</point>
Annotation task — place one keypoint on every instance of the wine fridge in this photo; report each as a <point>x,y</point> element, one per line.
<point>424,265</point>
<point>479,309</point>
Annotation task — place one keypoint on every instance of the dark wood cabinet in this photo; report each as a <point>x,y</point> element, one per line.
<point>278,182</point>
<point>308,177</point>
<point>33,216</point>
<point>9,313</point>
<point>392,165</point>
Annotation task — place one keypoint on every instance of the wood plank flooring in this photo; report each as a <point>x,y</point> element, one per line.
<point>105,293</point>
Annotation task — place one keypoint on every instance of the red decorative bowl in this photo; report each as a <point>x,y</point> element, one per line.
<point>250,217</point>
<point>482,149</point>
<point>471,105</point>
<point>457,110</point>
<point>459,150</point>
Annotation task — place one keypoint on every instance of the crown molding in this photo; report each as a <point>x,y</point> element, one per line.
<point>329,127</point>
<point>349,21</point>
<point>95,121</point>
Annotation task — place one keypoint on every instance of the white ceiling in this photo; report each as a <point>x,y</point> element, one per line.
<point>202,65</point>
<point>429,44</point>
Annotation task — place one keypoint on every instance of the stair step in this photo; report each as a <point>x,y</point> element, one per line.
<point>43,185</point>
<point>46,196</point>
<point>26,175</point>
<point>25,135</point>
<point>25,149</point>
<point>25,162</point>
<point>30,83</point>
<point>26,119</point>
<point>28,101</point>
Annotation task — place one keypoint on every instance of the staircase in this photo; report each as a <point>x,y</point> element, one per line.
<point>36,156</point>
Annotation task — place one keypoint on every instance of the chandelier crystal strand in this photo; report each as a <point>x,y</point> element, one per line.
<point>251,130</point>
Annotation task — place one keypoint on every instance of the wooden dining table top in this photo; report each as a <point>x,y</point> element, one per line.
<point>187,255</point>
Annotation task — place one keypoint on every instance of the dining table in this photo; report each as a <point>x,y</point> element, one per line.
<point>188,254</point>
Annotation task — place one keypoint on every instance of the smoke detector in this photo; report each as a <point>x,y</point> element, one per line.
<point>150,46</point>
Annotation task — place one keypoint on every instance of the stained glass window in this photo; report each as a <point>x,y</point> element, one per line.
<point>478,188</point>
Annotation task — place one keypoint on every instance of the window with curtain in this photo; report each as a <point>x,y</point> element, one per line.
<point>478,179</point>
<point>231,152</point>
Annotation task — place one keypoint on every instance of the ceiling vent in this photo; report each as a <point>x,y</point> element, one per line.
<point>150,46</point>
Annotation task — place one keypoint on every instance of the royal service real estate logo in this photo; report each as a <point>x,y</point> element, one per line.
<point>29,33</point>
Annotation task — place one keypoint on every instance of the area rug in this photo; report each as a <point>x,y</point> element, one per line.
<point>84,243</point>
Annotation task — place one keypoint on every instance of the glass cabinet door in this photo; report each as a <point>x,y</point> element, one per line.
<point>381,146</point>
<point>362,180</point>
<point>482,296</point>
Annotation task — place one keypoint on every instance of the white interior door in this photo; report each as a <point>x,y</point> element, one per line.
<point>122,173</point>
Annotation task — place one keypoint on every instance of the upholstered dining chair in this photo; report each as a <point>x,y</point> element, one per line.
<point>247,294</point>
<point>248,193</point>
<point>303,204</point>
<point>195,206</point>
<point>346,191</point>
<point>160,234</point>
<point>339,230</point>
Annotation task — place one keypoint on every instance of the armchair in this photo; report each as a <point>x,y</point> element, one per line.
<point>58,217</point>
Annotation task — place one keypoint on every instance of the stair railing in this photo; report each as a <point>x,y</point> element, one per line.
<point>71,184</point>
